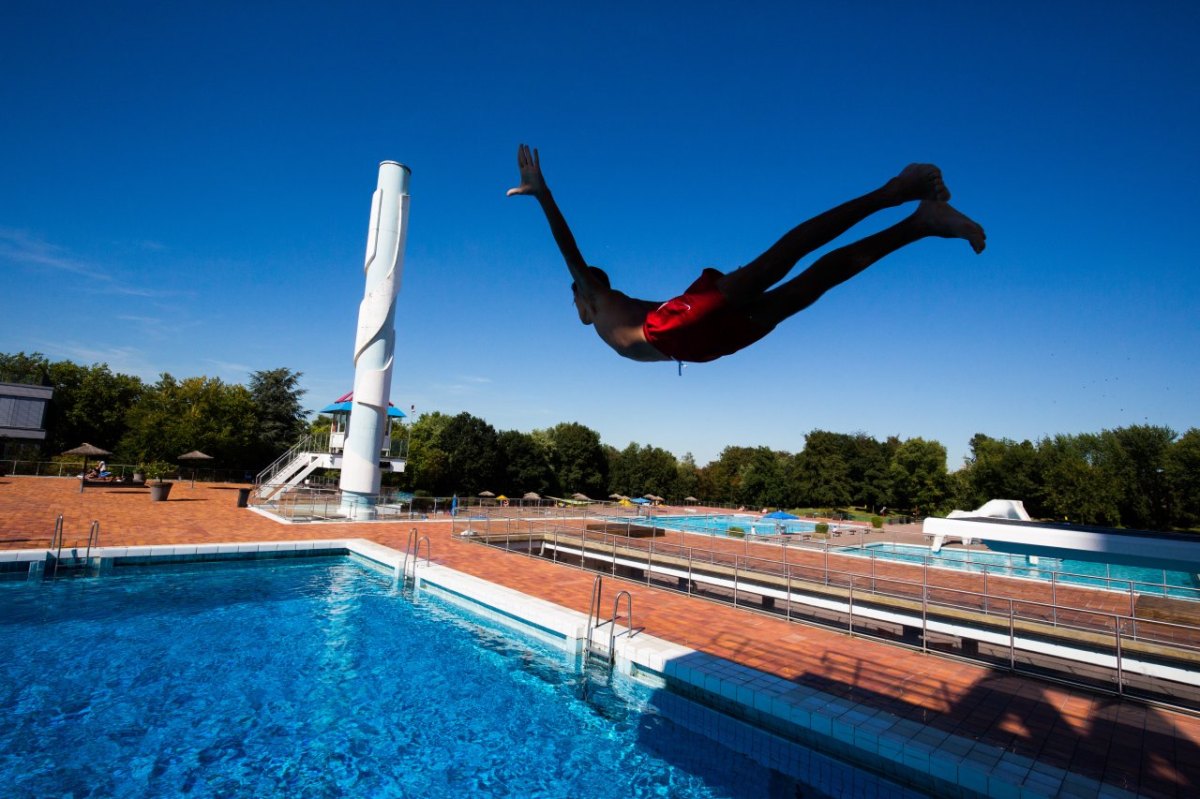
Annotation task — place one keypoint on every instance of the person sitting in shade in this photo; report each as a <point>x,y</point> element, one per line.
<point>722,313</point>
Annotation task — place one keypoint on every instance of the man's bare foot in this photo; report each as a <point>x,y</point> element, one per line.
<point>940,219</point>
<point>919,182</point>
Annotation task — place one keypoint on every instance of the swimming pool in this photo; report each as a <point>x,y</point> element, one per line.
<point>723,524</point>
<point>317,678</point>
<point>1111,577</point>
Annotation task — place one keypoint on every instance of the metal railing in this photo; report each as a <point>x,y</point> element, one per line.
<point>309,443</point>
<point>122,471</point>
<point>1120,653</point>
<point>838,543</point>
<point>414,549</point>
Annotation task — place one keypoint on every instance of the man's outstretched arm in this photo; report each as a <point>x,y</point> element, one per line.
<point>534,183</point>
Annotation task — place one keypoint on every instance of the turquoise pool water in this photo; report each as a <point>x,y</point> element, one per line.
<point>318,679</point>
<point>1112,577</point>
<point>722,524</point>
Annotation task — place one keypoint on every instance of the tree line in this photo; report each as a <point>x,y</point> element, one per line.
<point>241,427</point>
<point>1141,476</point>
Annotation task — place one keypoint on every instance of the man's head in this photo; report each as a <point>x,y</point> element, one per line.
<point>582,303</point>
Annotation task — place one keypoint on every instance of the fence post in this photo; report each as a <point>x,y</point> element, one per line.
<point>924,618</point>
<point>1012,638</point>
<point>789,591</point>
<point>1054,598</point>
<point>850,597</point>
<point>1120,671</point>
<point>735,579</point>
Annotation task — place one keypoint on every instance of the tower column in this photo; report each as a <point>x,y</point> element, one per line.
<point>375,343</point>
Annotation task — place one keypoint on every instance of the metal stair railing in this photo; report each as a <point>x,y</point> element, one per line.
<point>594,622</point>
<point>309,443</point>
<point>56,542</point>
<point>612,631</point>
<point>414,547</point>
<point>593,618</point>
<point>93,541</point>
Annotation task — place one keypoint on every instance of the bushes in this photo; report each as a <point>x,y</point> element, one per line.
<point>877,522</point>
<point>822,530</point>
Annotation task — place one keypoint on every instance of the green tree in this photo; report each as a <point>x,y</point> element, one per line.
<point>659,471</point>
<point>1183,478</point>
<point>470,443</point>
<point>1002,469</point>
<point>1078,484</point>
<point>278,413</point>
<point>638,470</point>
<point>202,413</point>
<point>623,477</point>
<point>578,458</point>
<point>428,463</point>
<point>761,479</point>
<point>32,369</point>
<point>821,472</point>
<point>687,480</point>
<point>90,403</point>
<point>919,478</point>
<point>867,461</point>
<point>525,464</point>
<point>721,480</point>
<point>1140,461</point>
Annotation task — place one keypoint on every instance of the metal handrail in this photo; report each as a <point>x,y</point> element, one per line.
<point>93,540</point>
<point>413,547</point>
<point>56,540</point>
<point>56,536</point>
<point>307,443</point>
<point>612,631</point>
<point>593,618</point>
<point>921,591</point>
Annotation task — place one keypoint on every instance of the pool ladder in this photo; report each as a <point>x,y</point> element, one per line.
<point>594,622</point>
<point>56,543</point>
<point>414,547</point>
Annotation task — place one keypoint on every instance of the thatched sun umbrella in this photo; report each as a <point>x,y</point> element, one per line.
<point>486,494</point>
<point>87,451</point>
<point>193,456</point>
<point>582,497</point>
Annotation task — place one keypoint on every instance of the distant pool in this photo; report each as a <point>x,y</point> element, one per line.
<point>722,524</point>
<point>1112,577</point>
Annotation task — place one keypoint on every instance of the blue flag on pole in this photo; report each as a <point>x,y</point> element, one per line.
<point>454,505</point>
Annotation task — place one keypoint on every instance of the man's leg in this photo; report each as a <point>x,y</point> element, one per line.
<point>930,219</point>
<point>915,182</point>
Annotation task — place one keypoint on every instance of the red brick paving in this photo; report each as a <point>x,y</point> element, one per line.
<point>1149,750</point>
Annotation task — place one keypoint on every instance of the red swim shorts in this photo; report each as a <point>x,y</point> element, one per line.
<point>700,325</point>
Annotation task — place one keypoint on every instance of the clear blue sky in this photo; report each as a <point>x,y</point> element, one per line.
<point>185,187</point>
